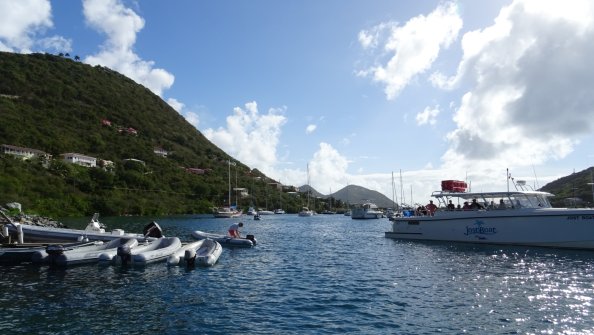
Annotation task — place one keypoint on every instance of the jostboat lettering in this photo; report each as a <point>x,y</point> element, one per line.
<point>479,229</point>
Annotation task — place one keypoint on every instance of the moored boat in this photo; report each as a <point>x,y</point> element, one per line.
<point>226,213</point>
<point>521,217</point>
<point>228,241</point>
<point>202,252</point>
<point>23,253</point>
<point>305,212</point>
<point>41,234</point>
<point>366,211</point>
<point>145,252</point>
<point>64,255</point>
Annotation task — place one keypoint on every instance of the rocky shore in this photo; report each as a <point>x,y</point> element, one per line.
<point>31,220</point>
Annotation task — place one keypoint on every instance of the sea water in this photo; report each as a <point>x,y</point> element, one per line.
<point>326,274</point>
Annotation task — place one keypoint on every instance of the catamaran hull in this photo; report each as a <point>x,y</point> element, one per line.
<point>558,228</point>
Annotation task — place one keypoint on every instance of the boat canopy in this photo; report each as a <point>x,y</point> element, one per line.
<point>512,199</point>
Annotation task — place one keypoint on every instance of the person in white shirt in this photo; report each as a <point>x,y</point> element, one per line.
<point>234,230</point>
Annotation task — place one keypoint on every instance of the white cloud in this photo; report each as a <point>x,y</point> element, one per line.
<point>192,118</point>
<point>531,79</point>
<point>412,48</point>
<point>251,137</point>
<point>327,167</point>
<point>310,128</point>
<point>22,21</point>
<point>175,104</point>
<point>428,116</point>
<point>121,25</point>
<point>180,107</point>
<point>57,43</point>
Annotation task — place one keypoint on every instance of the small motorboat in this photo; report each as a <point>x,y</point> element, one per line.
<point>93,232</point>
<point>12,253</point>
<point>227,241</point>
<point>64,255</point>
<point>202,252</point>
<point>145,252</point>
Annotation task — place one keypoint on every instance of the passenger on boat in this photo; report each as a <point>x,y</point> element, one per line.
<point>451,206</point>
<point>466,206</point>
<point>458,208</point>
<point>234,230</point>
<point>501,204</point>
<point>431,208</point>
<point>476,205</point>
<point>421,210</point>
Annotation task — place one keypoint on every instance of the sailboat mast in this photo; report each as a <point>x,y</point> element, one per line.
<point>229,179</point>
<point>308,186</point>
<point>401,188</point>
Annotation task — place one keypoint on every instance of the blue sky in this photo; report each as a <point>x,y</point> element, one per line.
<point>356,89</point>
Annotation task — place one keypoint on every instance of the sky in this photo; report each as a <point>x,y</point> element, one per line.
<point>349,92</point>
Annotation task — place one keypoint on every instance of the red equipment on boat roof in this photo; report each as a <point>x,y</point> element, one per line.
<point>453,186</point>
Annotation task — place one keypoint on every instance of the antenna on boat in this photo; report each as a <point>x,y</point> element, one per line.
<point>536,186</point>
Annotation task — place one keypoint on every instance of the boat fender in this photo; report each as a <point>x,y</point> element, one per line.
<point>153,230</point>
<point>124,253</point>
<point>190,257</point>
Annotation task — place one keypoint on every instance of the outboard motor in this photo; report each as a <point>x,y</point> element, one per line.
<point>152,230</point>
<point>190,257</point>
<point>251,238</point>
<point>124,253</point>
<point>54,251</point>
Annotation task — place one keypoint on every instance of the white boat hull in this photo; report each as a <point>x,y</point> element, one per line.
<point>366,211</point>
<point>50,234</point>
<point>83,254</point>
<point>550,227</point>
<point>146,252</point>
<point>227,213</point>
<point>203,252</point>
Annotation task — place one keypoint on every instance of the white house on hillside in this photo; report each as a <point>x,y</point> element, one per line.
<point>79,159</point>
<point>160,152</point>
<point>24,153</point>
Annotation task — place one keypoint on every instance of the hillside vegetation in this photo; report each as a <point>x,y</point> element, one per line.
<point>574,190</point>
<point>58,105</point>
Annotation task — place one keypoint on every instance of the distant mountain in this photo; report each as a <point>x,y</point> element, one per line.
<point>354,194</point>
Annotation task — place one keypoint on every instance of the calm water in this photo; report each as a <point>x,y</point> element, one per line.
<point>318,275</point>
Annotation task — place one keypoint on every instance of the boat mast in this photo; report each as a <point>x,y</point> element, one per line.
<point>401,188</point>
<point>229,179</point>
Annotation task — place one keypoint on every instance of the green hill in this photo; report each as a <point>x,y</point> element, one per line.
<point>573,190</point>
<point>58,105</point>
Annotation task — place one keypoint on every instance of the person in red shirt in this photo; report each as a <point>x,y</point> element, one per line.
<point>431,208</point>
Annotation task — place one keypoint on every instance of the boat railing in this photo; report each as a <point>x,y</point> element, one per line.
<point>442,210</point>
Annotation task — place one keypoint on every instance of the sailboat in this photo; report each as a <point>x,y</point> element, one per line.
<point>348,211</point>
<point>305,211</point>
<point>231,211</point>
<point>329,210</point>
<point>280,210</point>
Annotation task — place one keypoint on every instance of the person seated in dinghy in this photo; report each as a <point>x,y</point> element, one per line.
<point>234,230</point>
